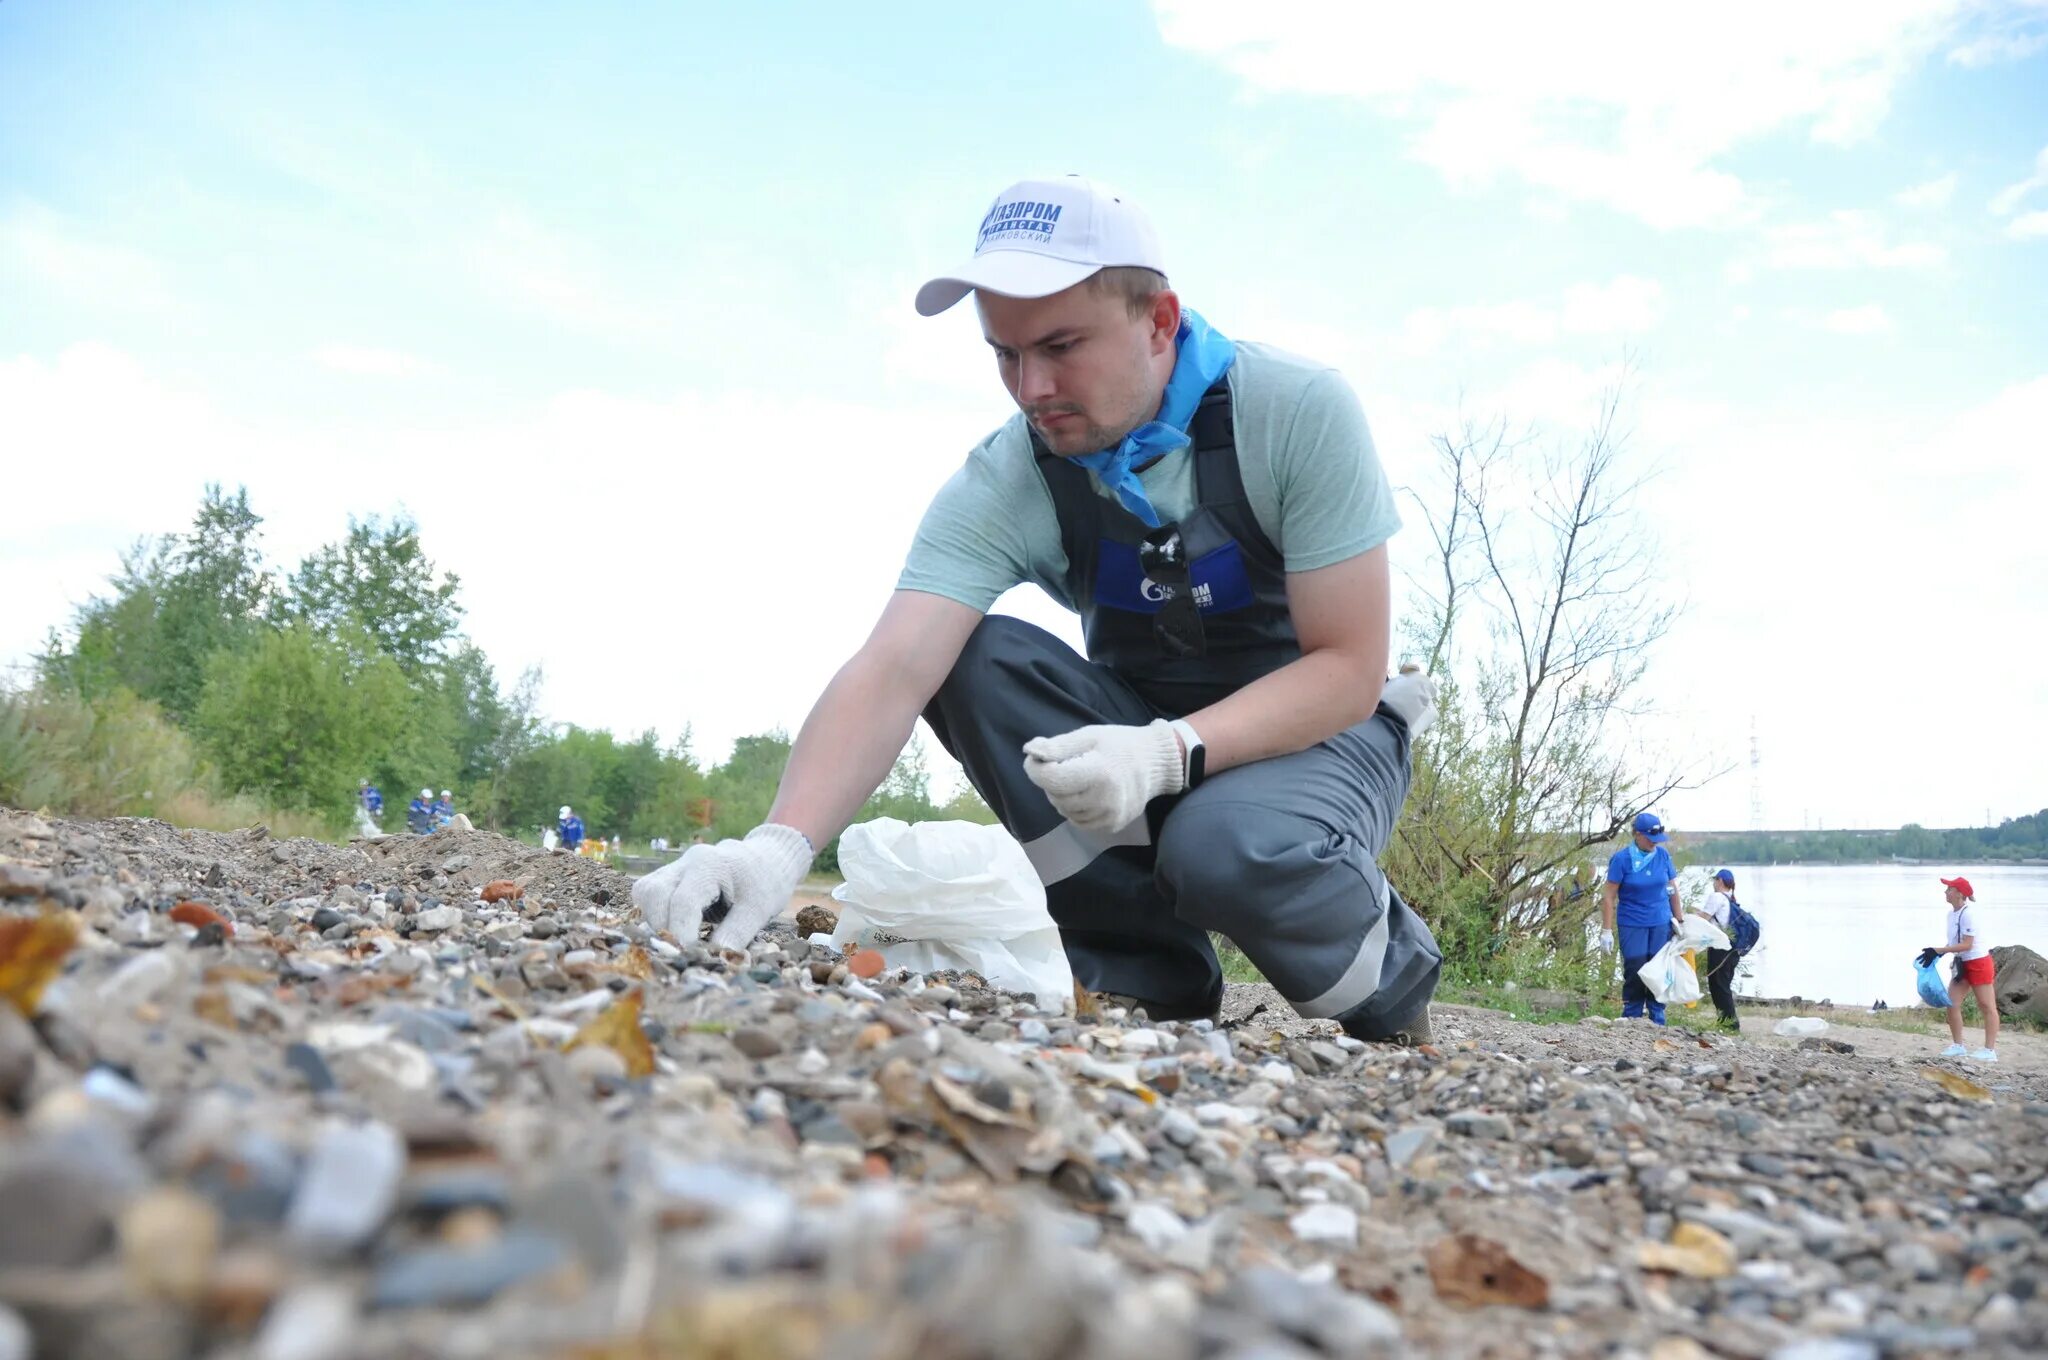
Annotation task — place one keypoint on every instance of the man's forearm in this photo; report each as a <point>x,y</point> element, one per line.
<point>852,737</point>
<point>1302,703</point>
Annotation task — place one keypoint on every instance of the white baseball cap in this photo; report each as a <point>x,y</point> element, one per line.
<point>1041,236</point>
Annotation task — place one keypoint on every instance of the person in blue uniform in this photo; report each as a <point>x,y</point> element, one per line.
<point>1639,908</point>
<point>372,799</point>
<point>419,813</point>
<point>569,827</point>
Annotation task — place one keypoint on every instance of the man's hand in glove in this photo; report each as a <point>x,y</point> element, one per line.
<point>1607,940</point>
<point>1100,778</point>
<point>754,876</point>
<point>1929,955</point>
<point>1412,697</point>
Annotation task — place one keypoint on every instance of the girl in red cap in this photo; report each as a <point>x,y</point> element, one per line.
<point>1973,970</point>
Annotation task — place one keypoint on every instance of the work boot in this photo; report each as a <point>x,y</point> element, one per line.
<point>1416,1032</point>
<point>1412,1033</point>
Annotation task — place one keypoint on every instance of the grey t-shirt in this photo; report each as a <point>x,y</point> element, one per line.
<point>1307,459</point>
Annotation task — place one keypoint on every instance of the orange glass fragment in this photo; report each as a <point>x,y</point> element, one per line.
<point>199,915</point>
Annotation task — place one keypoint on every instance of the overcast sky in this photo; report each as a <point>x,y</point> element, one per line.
<point>616,301</point>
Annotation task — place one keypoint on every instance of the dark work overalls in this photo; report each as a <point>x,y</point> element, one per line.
<point>1278,855</point>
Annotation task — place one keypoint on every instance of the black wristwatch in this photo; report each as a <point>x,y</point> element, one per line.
<point>1194,755</point>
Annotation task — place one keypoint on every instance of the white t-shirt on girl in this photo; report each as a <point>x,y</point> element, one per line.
<point>1717,908</point>
<point>1962,922</point>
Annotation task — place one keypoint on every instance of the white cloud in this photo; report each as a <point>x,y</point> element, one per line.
<point>2028,226</point>
<point>1913,536</point>
<point>532,268</point>
<point>2009,198</point>
<point>43,246</point>
<point>1847,239</point>
<point>1626,305</point>
<point>1610,102</point>
<point>369,361</point>
<point>1552,394</point>
<point>763,530</point>
<point>1935,193</point>
<point>2011,34</point>
<point>1990,51</point>
<point>1869,319</point>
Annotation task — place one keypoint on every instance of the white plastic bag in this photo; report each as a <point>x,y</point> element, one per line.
<point>1669,977</point>
<point>951,895</point>
<point>1800,1026</point>
<point>1699,934</point>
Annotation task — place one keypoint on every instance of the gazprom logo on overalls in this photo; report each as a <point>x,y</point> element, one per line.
<point>1018,218</point>
<point>1205,597</point>
<point>1218,580</point>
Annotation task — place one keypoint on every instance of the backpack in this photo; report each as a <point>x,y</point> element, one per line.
<point>1743,930</point>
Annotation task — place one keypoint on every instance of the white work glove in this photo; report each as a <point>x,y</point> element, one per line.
<point>1607,940</point>
<point>1100,778</point>
<point>1412,695</point>
<point>755,876</point>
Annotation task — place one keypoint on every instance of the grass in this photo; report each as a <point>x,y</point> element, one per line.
<point>1236,967</point>
<point>1536,1005</point>
<point>120,757</point>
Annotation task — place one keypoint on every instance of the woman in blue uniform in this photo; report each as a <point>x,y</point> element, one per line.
<point>1640,903</point>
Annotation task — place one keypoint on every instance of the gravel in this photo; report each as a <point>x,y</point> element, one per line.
<point>383,1117</point>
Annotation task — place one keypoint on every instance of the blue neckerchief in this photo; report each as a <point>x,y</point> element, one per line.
<point>1638,861</point>
<point>1205,355</point>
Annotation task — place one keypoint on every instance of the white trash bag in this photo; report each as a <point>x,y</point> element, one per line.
<point>1699,935</point>
<point>1800,1026</point>
<point>1670,978</point>
<point>932,896</point>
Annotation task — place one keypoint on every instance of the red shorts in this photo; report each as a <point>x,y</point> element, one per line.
<point>1976,972</point>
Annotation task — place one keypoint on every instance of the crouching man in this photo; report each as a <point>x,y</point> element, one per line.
<point>1225,758</point>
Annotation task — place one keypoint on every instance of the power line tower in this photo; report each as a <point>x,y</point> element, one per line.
<point>1756,780</point>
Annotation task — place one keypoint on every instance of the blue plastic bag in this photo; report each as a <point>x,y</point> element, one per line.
<point>1933,990</point>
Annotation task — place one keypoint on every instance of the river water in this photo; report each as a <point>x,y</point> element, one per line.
<point>1848,933</point>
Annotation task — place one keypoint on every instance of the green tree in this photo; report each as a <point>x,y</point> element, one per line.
<point>298,717</point>
<point>175,603</point>
<point>681,795</point>
<point>966,806</point>
<point>378,580</point>
<point>493,732</point>
<point>906,793</point>
<point>631,783</point>
<point>490,728</point>
<point>742,789</point>
<point>566,766</point>
<point>1537,623</point>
